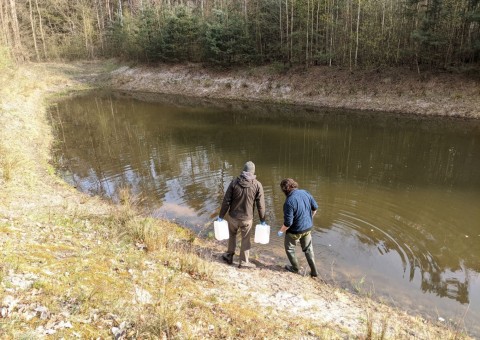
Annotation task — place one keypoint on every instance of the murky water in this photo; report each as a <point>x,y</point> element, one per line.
<point>399,197</point>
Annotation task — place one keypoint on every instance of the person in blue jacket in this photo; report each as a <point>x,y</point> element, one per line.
<point>298,211</point>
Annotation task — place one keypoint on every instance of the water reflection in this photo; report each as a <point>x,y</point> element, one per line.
<point>399,197</point>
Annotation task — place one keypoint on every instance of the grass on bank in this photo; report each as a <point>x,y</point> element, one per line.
<point>96,273</point>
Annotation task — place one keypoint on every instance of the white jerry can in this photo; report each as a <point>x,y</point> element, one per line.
<point>262,233</point>
<point>221,230</point>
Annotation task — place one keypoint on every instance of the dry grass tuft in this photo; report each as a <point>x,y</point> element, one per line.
<point>375,329</point>
<point>174,246</point>
<point>9,162</point>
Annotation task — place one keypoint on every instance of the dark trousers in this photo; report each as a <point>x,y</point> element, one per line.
<point>307,247</point>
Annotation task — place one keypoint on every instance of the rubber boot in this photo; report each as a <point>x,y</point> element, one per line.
<point>311,263</point>
<point>228,257</point>
<point>293,260</point>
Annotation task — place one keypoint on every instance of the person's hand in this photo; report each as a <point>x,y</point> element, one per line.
<point>219,219</point>
<point>280,233</point>
<point>263,223</point>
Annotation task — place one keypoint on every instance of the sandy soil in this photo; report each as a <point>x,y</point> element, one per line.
<point>390,90</point>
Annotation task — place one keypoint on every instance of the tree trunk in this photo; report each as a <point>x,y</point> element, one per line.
<point>100,25</point>
<point>4,24</point>
<point>312,29</point>
<point>317,28</point>
<point>325,42</point>
<point>109,11</point>
<point>245,4</point>
<point>85,31</point>
<point>41,30</point>
<point>288,32</point>
<point>34,35</point>
<point>350,36</point>
<point>358,30</point>
<point>345,33</point>
<point>291,35</point>
<point>120,11</point>
<point>383,18</point>
<point>16,32</point>
<point>280,23</point>
<point>331,33</point>
<point>306,38</point>
<point>334,33</point>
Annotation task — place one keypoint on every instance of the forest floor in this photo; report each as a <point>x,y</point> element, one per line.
<point>74,266</point>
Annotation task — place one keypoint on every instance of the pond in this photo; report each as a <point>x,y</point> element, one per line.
<point>399,196</point>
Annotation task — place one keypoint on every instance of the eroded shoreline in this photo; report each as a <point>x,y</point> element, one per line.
<point>445,95</point>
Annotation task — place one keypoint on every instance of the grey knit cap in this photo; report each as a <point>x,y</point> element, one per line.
<point>249,167</point>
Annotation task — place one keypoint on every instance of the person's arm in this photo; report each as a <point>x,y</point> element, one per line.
<point>313,205</point>
<point>227,199</point>
<point>260,202</point>
<point>287,214</point>
<point>287,218</point>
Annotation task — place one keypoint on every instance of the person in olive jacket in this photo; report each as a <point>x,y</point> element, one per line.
<point>298,211</point>
<point>243,194</point>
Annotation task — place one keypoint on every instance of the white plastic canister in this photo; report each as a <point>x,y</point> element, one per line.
<point>262,233</point>
<point>221,230</point>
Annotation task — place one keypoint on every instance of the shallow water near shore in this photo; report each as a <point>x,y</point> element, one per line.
<point>398,196</point>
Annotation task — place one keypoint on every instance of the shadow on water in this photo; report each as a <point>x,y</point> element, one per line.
<point>398,195</point>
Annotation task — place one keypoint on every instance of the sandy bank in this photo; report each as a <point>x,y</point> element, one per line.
<point>391,90</point>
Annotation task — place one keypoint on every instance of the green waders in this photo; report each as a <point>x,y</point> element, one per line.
<point>307,247</point>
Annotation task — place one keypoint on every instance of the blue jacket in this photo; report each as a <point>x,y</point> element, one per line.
<point>297,211</point>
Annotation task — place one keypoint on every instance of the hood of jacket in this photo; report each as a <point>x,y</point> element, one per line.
<point>246,179</point>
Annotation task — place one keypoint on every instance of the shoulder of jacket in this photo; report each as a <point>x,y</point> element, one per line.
<point>258,183</point>
<point>233,183</point>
